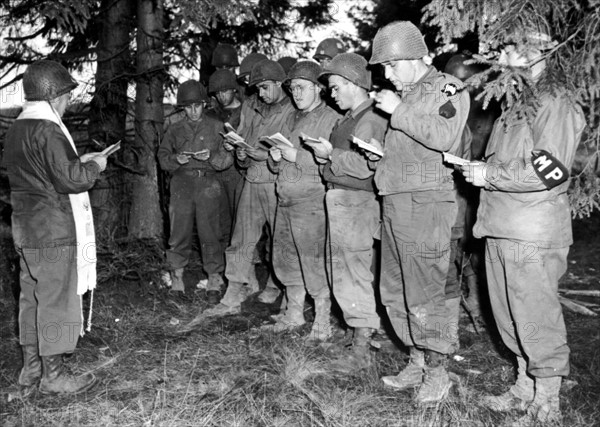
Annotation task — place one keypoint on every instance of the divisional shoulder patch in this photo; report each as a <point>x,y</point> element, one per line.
<point>450,89</point>
<point>548,168</point>
<point>447,110</point>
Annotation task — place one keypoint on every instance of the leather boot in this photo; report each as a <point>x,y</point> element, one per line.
<point>412,374</point>
<point>177,280</point>
<point>436,382</point>
<point>213,288</point>
<point>545,408</point>
<point>519,396</point>
<point>56,380</point>
<point>294,315</point>
<point>31,372</point>
<point>321,329</point>
<point>271,292</point>
<point>358,355</point>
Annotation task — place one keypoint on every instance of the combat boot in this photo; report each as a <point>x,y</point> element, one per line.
<point>294,315</point>
<point>436,381</point>
<point>31,372</point>
<point>411,375</point>
<point>271,292</point>
<point>55,380</point>
<point>321,329</point>
<point>545,407</point>
<point>358,355</point>
<point>177,280</point>
<point>519,396</point>
<point>213,288</point>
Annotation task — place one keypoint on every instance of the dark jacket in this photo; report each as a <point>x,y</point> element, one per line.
<point>43,169</point>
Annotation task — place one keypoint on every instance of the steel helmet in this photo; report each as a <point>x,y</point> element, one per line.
<point>45,80</point>
<point>329,48</point>
<point>250,61</point>
<point>222,80</point>
<point>266,70</point>
<point>287,62</point>
<point>307,70</point>
<point>352,67</point>
<point>191,92</point>
<point>224,55</point>
<point>400,40</point>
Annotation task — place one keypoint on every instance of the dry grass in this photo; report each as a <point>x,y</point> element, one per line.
<point>228,373</point>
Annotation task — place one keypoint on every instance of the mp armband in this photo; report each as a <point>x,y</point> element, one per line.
<point>548,169</point>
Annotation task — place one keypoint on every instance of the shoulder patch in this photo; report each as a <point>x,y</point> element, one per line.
<point>548,168</point>
<point>450,89</point>
<point>447,110</point>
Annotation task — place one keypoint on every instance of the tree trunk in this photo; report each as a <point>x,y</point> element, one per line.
<point>108,109</point>
<point>145,220</point>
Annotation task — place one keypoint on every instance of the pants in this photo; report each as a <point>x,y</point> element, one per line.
<point>196,199</point>
<point>233,182</point>
<point>353,218</point>
<point>523,288</point>
<point>415,251</point>
<point>49,307</point>
<point>299,246</point>
<point>257,206</point>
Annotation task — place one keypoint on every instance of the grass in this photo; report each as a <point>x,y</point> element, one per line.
<point>230,373</point>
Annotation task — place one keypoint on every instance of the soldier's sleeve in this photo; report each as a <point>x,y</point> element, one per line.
<point>220,159</point>
<point>167,157</point>
<point>438,126</point>
<point>556,130</point>
<point>66,172</point>
<point>353,163</point>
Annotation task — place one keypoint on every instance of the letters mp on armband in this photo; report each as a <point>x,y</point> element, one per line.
<point>548,168</point>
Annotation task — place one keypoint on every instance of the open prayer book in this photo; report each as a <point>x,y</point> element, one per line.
<point>366,146</point>
<point>455,160</point>
<point>307,138</point>
<point>275,140</point>
<point>233,137</point>
<point>194,153</point>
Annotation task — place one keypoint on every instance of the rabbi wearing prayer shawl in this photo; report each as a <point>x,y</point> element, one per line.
<point>52,228</point>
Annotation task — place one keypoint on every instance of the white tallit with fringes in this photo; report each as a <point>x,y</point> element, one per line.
<point>82,211</point>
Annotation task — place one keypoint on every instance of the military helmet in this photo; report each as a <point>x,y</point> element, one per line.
<point>248,62</point>
<point>224,55</point>
<point>329,48</point>
<point>266,70</point>
<point>222,80</point>
<point>400,40</point>
<point>191,92</point>
<point>307,70</point>
<point>287,62</point>
<point>352,67</point>
<point>45,80</point>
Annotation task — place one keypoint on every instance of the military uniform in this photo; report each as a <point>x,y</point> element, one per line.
<point>196,193</point>
<point>419,208</point>
<point>352,205</point>
<point>528,231</point>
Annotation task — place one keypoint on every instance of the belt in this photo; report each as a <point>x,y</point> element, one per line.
<point>196,172</point>
<point>332,186</point>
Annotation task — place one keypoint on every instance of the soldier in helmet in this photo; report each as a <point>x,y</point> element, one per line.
<point>225,57</point>
<point>223,86</point>
<point>327,50</point>
<point>256,209</point>
<point>191,151</point>
<point>53,228</point>
<point>299,237</point>
<point>351,203</point>
<point>428,114</point>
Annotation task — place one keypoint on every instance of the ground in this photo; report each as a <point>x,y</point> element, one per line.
<point>228,373</point>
